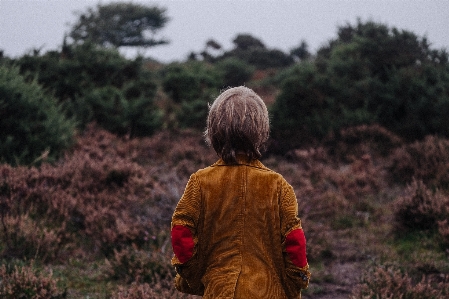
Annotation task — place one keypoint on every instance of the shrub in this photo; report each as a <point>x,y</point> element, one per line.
<point>234,72</point>
<point>253,51</point>
<point>27,283</point>
<point>180,84</point>
<point>97,198</point>
<point>189,81</point>
<point>388,282</point>
<point>420,208</point>
<point>361,179</point>
<point>369,74</point>
<point>150,274</point>
<point>135,291</point>
<point>191,86</point>
<point>354,142</point>
<point>146,291</point>
<point>426,160</point>
<point>193,114</point>
<point>297,117</point>
<point>334,188</point>
<point>132,264</point>
<point>319,247</point>
<point>119,113</point>
<point>32,125</point>
<point>86,79</point>
<point>266,58</point>
<point>443,230</point>
<point>108,193</point>
<point>24,238</point>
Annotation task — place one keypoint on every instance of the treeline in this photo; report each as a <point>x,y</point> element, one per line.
<point>368,74</point>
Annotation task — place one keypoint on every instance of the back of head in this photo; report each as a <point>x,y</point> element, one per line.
<point>237,123</point>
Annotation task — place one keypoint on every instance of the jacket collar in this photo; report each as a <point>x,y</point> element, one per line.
<point>241,160</point>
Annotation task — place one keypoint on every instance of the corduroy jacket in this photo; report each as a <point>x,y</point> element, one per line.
<point>236,234</point>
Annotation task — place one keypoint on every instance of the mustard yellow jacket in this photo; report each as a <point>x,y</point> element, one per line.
<point>236,234</point>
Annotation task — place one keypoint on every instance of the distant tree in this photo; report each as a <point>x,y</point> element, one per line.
<point>253,51</point>
<point>247,42</point>
<point>206,54</point>
<point>213,44</point>
<point>120,24</point>
<point>301,52</point>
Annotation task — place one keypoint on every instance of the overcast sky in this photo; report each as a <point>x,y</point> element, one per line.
<point>281,24</point>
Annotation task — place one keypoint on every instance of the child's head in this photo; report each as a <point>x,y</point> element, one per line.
<point>238,122</point>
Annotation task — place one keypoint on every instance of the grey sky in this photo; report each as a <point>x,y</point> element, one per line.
<point>282,24</point>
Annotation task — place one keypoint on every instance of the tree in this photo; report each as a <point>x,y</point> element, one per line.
<point>301,52</point>
<point>120,24</point>
<point>252,51</point>
<point>210,44</point>
<point>247,42</point>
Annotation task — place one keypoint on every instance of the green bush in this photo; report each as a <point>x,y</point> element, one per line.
<point>234,71</point>
<point>86,79</point>
<point>300,111</point>
<point>112,110</point>
<point>369,74</point>
<point>180,84</point>
<point>193,114</point>
<point>191,86</point>
<point>268,58</point>
<point>189,81</point>
<point>32,124</point>
<point>109,108</point>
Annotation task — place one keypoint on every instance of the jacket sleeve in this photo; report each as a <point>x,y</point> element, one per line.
<point>294,243</point>
<point>185,239</point>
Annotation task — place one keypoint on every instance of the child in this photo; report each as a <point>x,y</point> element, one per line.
<point>235,231</point>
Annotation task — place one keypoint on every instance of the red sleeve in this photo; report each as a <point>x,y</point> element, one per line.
<point>295,245</point>
<point>182,242</point>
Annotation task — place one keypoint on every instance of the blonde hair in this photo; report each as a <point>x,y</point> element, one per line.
<point>237,122</point>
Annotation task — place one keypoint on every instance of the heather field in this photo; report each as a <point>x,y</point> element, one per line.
<point>95,223</point>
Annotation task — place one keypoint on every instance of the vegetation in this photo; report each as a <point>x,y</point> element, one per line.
<point>120,24</point>
<point>369,74</point>
<point>96,150</point>
<point>234,71</point>
<point>26,282</point>
<point>99,218</point>
<point>98,85</point>
<point>33,125</point>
